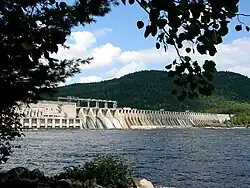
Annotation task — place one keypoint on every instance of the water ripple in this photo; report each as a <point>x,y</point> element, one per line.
<point>172,157</point>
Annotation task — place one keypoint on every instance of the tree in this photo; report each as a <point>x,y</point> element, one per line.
<point>196,25</point>
<point>30,31</point>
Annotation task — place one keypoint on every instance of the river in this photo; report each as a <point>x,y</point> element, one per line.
<point>172,157</point>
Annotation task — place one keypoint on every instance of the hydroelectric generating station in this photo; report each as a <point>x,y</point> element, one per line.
<point>73,112</point>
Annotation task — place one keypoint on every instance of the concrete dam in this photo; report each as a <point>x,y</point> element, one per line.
<point>71,112</point>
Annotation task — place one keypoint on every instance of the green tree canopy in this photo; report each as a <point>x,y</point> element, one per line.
<point>30,31</point>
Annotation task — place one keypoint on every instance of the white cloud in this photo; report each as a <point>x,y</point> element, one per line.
<point>148,56</point>
<point>115,72</point>
<point>230,56</point>
<point>233,56</point>
<point>126,69</point>
<point>90,79</point>
<point>102,32</point>
<point>103,56</point>
<point>67,80</point>
<point>84,38</point>
<point>79,49</point>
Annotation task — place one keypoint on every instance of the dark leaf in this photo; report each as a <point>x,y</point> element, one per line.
<point>187,58</point>
<point>179,45</point>
<point>218,40</point>
<point>147,31</point>
<point>131,2</point>
<point>157,45</point>
<point>168,66</point>
<point>153,30</point>
<point>144,3</point>
<point>188,50</point>
<point>223,31</point>
<point>162,23</point>
<point>165,48</point>
<point>161,37</point>
<point>182,36</point>
<point>52,1</point>
<point>63,5</point>
<point>170,41</point>
<point>238,27</point>
<point>212,50</point>
<point>247,28</point>
<point>195,63</point>
<point>201,49</point>
<point>140,24</point>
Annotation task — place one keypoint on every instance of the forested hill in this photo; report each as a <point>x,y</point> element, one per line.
<point>151,90</point>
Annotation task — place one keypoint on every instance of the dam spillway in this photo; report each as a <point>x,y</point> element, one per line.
<point>71,114</point>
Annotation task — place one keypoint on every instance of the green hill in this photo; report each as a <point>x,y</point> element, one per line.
<point>151,90</point>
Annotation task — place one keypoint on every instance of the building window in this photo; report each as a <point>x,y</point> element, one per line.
<point>57,121</point>
<point>71,121</point>
<point>77,121</point>
<point>42,121</point>
<point>64,121</point>
<point>34,121</point>
<point>49,120</point>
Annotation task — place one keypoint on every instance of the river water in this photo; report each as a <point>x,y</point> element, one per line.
<point>172,157</point>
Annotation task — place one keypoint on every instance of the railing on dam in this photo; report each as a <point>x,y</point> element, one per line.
<point>69,115</point>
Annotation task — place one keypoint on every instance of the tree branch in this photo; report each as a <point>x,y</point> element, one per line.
<point>242,14</point>
<point>164,30</point>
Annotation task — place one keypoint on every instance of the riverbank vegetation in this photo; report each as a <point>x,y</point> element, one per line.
<point>107,171</point>
<point>241,119</point>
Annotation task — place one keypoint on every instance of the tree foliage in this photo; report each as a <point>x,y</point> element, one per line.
<point>193,26</point>
<point>240,119</point>
<point>30,32</point>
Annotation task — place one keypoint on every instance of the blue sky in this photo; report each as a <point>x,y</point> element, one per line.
<point>119,48</point>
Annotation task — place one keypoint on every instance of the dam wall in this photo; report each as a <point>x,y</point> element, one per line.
<point>64,114</point>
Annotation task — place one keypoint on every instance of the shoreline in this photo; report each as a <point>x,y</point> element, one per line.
<point>139,128</point>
